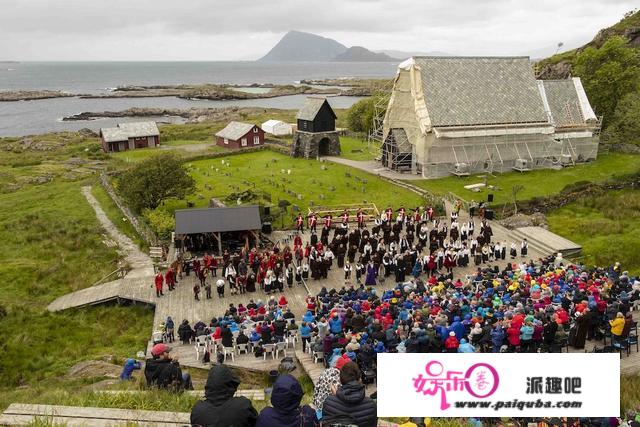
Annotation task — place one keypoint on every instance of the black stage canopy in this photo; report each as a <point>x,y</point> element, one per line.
<point>217,220</point>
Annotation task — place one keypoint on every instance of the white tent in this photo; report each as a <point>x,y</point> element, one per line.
<point>277,127</point>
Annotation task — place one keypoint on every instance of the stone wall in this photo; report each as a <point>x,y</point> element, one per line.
<point>307,144</point>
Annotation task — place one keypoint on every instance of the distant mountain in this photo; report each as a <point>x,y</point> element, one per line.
<point>300,46</point>
<point>361,54</point>
<point>404,55</point>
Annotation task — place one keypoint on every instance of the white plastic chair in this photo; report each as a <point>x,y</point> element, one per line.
<point>157,337</point>
<point>201,345</point>
<point>268,348</point>
<point>242,347</point>
<point>318,356</point>
<point>281,346</point>
<point>231,351</point>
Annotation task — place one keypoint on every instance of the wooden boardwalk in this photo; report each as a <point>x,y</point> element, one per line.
<point>26,414</point>
<point>550,241</point>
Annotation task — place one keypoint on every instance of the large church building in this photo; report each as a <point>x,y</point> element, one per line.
<point>462,115</point>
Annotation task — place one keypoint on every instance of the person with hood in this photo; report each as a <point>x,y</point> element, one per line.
<point>335,324</point>
<point>185,332</point>
<point>286,410</point>
<point>465,347</point>
<point>337,354</point>
<point>350,405</point>
<point>129,366</point>
<point>451,344</point>
<point>170,325</point>
<point>220,408</point>
<point>497,337</point>
<point>458,328</point>
<point>329,380</point>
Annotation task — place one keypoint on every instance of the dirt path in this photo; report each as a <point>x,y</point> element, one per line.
<point>373,167</point>
<point>134,257</point>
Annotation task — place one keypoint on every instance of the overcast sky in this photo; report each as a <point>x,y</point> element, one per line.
<point>204,30</point>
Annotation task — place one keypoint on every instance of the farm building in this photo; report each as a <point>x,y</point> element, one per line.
<point>461,115</point>
<point>316,133</point>
<point>240,135</point>
<point>129,136</point>
<point>277,127</point>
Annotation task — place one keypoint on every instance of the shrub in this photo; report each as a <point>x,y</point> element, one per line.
<point>160,221</point>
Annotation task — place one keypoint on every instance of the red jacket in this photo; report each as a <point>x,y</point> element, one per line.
<point>159,281</point>
<point>451,342</point>
<point>513,335</point>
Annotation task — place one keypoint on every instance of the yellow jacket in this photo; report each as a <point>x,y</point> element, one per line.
<point>617,325</point>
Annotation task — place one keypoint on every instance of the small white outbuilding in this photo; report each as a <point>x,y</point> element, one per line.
<point>277,127</point>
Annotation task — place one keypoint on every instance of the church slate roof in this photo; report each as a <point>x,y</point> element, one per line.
<point>467,91</point>
<point>563,102</point>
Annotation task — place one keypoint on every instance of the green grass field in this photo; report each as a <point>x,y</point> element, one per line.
<point>263,171</point>
<point>357,149</point>
<point>537,183</point>
<point>607,227</point>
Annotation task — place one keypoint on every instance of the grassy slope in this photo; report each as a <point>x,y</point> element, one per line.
<point>307,178</point>
<point>607,226</point>
<point>537,183</point>
<point>53,245</point>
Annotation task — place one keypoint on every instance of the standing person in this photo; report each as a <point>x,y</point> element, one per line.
<point>170,279</point>
<point>207,288</point>
<point>196,292</point>
<point>305,334</point>
<point>360,218</point>
<point>170,325</point>
<point>286,410</point>
<point>300,223</point>
<point>370,279</point>
<point>524,248</point>
<point>219,407</point>
<point>347,271</point>
<point>220,288</point>
<point>350,405</point>
<point>159,281</point>
<point>312,221</point>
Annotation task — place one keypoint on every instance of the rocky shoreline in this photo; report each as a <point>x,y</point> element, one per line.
<point>192,115</point>
<point>32,95</point>
<point>213,92</point>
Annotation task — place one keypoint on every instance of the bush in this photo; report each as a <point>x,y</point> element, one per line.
<point>160,221</point>
<point>361,114</point>
<point>625,124</point>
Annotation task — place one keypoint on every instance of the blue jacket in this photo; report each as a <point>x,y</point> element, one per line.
<point>335,325</point>
<point>308,317</point>
<point>458,328</point>
<point>497,336</point>
<point>286,411</point>
<point>305,331</point>
<point>465,347</point>
<point>129,366</point>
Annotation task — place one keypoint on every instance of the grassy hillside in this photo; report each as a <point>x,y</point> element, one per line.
<point>607,226</point>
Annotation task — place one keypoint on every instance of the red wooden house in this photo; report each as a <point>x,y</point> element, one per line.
<point>240,135</point>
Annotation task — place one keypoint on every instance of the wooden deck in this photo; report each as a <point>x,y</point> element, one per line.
<point>549,240</point>
<point>26,414</point>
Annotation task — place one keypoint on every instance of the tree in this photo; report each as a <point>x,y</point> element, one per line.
<point>625,125</point>
<point>608,74</point>
<point>154,180</point>
<point>361,114</point>
<point>514,193</point>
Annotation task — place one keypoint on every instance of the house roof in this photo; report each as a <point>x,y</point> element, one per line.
<point>563,103</point>
<point>235,130</point>
<point>311,107</point>
<point>465,91</point>
<point>214,220</point>
<point>124,131</point>
<point>273,122</point>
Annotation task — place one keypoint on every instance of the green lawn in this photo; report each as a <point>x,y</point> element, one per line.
<point>537,183</point>
<point>607,227</point>
<point>357,149</point>
<point>262,171</point>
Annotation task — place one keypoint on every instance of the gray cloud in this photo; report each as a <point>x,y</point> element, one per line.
<point>240,29</point>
